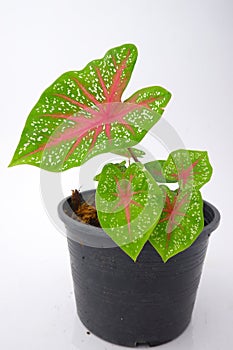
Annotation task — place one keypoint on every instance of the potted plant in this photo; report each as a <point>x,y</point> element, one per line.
<point>136,246</point>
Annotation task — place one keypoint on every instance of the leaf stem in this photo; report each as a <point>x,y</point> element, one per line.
<point>133,155</point>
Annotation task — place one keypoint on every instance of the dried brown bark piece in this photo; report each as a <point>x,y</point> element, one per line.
<point>84,211</point>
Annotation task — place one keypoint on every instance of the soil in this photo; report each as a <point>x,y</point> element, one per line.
<point>83,211</point>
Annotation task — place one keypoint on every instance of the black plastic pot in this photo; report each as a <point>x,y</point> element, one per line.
<point>127,303</point>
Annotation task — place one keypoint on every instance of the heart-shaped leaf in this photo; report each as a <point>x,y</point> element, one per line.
<point>81,115</point>
<point>180,224</point>
<point>129,205</point>
<point>191,169</point>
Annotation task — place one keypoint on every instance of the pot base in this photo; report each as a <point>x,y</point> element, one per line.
<point>127,303</point>
<point>133,343</point>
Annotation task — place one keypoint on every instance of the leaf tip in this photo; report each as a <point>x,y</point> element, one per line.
<point>12,163</point>
<point>165,259</point>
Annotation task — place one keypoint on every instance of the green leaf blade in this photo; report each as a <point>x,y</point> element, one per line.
<point>121,166</point>
<point>129,205</point>
<point>81,115</point>
<point>180,224</point>
<point>191,169</point>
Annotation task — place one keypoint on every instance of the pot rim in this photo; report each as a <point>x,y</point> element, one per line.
<point>212,219</point>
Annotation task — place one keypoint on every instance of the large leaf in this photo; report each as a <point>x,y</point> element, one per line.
<point>129,205</point>
<point>191,169</point>
<point>81,115</point>
<point>180,224</point>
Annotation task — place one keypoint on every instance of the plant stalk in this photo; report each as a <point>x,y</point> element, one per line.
<point>133,155</point>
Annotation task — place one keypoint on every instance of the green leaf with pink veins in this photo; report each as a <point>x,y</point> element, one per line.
<point>180,224</point>
<point>191,169</point>
<point>129,205</point>
<point>81,114</point>
<point>187,167</point>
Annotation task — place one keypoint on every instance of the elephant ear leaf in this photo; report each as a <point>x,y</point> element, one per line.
<point>191,169</point>
<point>81,115</point>
<point>129,205</point>
<point>180,224</point>
<point>70,118</point>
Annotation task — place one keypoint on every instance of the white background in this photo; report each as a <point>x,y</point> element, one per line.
<point>185,46</point>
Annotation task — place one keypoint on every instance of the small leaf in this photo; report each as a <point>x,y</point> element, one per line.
<point>129,205</point>
<point>191,169</point>
<point>125,153</point>
<point>180,224</point>
<point>121,166</point>
<point>154,97</point>
<point>155,168</point>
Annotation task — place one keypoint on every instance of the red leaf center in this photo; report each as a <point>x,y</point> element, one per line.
<point>173,209</point>
<point>125,195</point>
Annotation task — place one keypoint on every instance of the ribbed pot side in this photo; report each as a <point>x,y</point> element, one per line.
<point>127,303</point>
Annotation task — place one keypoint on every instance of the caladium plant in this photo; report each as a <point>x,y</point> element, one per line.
<point>82,115</point>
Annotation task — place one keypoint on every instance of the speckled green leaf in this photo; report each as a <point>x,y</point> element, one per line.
<point>81,115</point>
<point>191,169</point>
<point>155,168</point>
<point>180,224</point>
<point>121,166</point>
<point>129,205</point>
